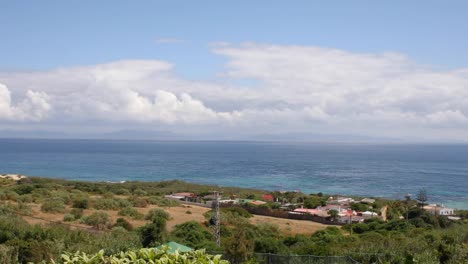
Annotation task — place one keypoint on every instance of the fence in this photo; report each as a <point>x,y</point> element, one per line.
<point>279,213</point>
<point>266,258</point>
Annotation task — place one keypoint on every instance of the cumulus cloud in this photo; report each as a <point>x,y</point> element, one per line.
<point>33,107</point>
<point>263,88</point>
<point>384,88</point>
<point>132,91</point>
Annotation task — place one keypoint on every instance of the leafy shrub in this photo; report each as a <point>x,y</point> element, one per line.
<point>360,207</point>
<point>163,202</point>
<point>53,206</point>
<point>192,234</point>
<point>239,211</point>
<point>121,191</point>
<point>131,212</point>
<point>80,202</point>
<point>68,218</point>
<point>144,255</point>
<point>156,214</point>
<point>11,208</point>
<point>41,194</point>
<point>108,195</point>
<point>26,198</point>
<point>139,202</point>
<point>23,208</point>
<point>99,220</point>
<point>10,195</point>
<point>24,189</point>
<point>77,213</point>
<point>8,254</point>
<point>110,204</point>
<point>121,222</point>
<point>64,196</point>
<point>140,192</point>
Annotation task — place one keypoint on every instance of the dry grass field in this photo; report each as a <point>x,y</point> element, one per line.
<point>180,214</point>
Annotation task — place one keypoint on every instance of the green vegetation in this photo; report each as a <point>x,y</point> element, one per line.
<point>99,220</point>
<point>144,255</point>
<point>54,205</point>
<point>24,243</point>
<point>131,212</point>
<point>155,233</point>
<point>411,235</point>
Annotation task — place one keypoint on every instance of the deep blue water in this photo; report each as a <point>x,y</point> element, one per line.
<point>369,170</point>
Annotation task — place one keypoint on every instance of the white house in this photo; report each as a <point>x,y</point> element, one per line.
<point>439,209</point>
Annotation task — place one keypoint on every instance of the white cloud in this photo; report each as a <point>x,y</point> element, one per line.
<point>263,88</point>
<point>33,107</point>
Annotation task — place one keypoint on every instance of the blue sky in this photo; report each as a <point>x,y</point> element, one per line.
<point>239,69</point>
<point>49,34</point>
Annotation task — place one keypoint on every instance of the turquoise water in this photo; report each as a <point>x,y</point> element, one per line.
<point>369,170</point>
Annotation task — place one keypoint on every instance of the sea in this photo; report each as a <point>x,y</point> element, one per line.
<point>371,170</point>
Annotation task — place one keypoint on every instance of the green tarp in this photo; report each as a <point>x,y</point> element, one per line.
<point>173,247</point>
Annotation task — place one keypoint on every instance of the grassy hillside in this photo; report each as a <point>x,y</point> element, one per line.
<point>40,218</point>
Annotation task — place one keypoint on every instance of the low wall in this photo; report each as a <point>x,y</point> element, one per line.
<point>278,213</point>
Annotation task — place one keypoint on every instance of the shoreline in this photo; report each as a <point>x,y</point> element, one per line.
<point>457,205</point>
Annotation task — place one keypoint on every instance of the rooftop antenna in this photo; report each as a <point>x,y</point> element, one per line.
<point>217,220</point>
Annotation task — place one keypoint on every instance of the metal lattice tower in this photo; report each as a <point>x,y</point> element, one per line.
<point>217,221</point>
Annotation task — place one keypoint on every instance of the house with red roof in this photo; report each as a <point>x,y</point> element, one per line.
<point>268,197</point>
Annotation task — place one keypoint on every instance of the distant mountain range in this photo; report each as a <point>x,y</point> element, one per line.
<point>131,134</point>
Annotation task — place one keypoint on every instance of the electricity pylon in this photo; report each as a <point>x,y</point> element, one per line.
<point>217,220</point>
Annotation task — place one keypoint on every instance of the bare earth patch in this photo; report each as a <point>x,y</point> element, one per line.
<point>289,226</point>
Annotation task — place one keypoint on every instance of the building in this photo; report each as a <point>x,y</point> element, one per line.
<point>368,201</point>
<point>268,197</point>
<point>439,209</point>
<point>317,212</point>
<point>340,200</point>
<point>184,196</point>
<point>368,214</point>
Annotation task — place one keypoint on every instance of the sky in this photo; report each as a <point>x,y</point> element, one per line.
<point>308,70</point>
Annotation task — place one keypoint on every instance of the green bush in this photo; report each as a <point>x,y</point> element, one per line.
<point>24,189</point>
<point>8,254</point>
<point>63,195</point>
<point>77,213</point>
<point>80,202</point>
<point>121,222</point>
<point>131,212</point>
<point>156,214</point>
<point>10,195</point>
<point>238,211</point>
<point>99,220</point>
<point>53,206</point>
<point>163,202</point>
<point>23,208</point>
<point>139,202</point>
<point>121,191</point>
<point>26,198</point>
<point>139,192</point>
<point>192,234</point>
<point>144,255</point>
<point>68,218</point>
<point>110,203</point>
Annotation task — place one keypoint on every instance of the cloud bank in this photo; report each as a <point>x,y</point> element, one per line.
<point>262,89</point>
